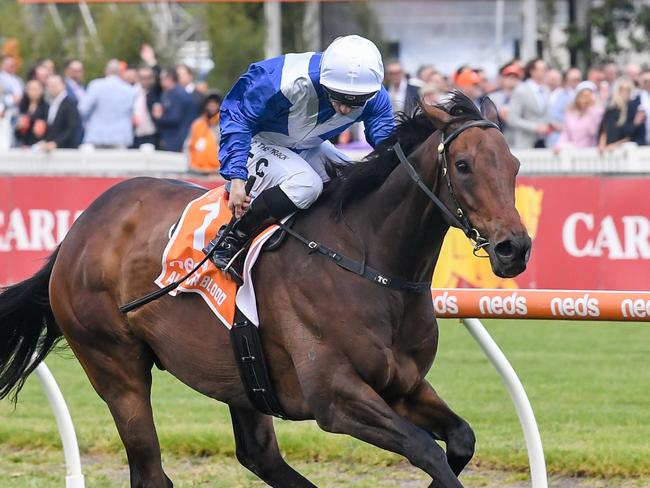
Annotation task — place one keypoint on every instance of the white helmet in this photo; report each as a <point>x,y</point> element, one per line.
<point>352,66</point>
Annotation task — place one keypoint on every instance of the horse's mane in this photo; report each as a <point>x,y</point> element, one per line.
<point>353,181</point>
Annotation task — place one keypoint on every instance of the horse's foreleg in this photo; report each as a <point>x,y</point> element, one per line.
<point>427,410</point>
<point>349,406</point>
<point>257,449</point>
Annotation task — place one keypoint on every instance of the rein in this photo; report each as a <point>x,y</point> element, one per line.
<point>460,219</point>
<point>359,268</point>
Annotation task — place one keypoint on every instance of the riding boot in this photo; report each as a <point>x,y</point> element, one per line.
<point>271,205</point>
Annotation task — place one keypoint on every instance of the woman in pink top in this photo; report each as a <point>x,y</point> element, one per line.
<point>582,119</point>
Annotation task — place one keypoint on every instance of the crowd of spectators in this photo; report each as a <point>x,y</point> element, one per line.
<point>544,108</point>
<point>165,108</point>
<point>129,107</point>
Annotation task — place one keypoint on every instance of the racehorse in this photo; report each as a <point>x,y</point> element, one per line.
<point>341,349</point>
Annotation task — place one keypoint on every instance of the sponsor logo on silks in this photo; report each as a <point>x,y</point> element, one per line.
<point>445,304</point>
<point>584,306</point>
<point>513,304</point>
<point>637,309</point>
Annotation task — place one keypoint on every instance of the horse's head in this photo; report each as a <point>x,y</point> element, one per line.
<point>482,172</point>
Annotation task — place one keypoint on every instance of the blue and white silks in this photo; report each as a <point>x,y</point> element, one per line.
<point>281,101</point>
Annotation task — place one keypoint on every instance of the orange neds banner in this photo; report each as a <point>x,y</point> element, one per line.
<point>542,304</point>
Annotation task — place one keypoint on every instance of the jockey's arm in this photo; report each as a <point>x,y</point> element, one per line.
<point>247,104</point>
<point>378,118</point>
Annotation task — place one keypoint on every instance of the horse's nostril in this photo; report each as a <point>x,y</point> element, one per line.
<point>505,249</point>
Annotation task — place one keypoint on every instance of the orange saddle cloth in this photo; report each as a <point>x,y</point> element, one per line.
<point>199,223</point>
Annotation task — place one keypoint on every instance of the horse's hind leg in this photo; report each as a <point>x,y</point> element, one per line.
<point>119,368</point>
<point>427,410</point>
<point>257,449</point>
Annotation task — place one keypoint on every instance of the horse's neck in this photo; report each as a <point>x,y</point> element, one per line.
<point>403,230</point>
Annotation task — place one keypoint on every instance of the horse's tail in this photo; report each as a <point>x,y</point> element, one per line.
<point>28,331</point>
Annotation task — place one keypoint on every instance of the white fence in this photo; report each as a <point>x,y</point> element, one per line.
<point>92,162</point>
<point>627,159</point>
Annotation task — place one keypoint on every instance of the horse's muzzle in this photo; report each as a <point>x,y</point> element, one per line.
<point>509,256</point>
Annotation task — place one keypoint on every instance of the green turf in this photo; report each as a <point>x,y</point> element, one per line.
<point>589,384</point>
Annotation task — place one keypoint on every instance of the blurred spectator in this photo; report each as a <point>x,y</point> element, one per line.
<point>633,71</point>
<point>423,75</point>
<point>49,66</point>
<point>107,109</point>
<point>553,80</point>
<point>485,86</point>
<point>32,115</point>
<point>41,71</point>
<point>403,96</point>
<point>148,94</point>
<point>174,115</point>
<point>596,75</point>
<point>5,126</point>
<point>10,84</point>
<point>73,72</point>
<point>440,81</point>
<point>204,138</point>
<point>186,80</point>
<point>429,94</point>
<point>527,118</point>
<point>62,117</point>
<point>612,72</point>
<point>558,102</point>
<point>623,121</point>
<point>130,75</point>
<point>468,82</point>
<point>644,98</point>
<point>509,77</point>
<point>202,87</point>
<point>582,119</point>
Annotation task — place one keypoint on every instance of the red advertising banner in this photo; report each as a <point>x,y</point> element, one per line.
<point>35,215</point>
<point>589,233</point>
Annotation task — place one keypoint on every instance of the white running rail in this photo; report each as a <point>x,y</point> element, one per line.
<point>74,478</point>
<point>519,398</point>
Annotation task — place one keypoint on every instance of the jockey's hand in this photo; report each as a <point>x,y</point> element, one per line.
<point>238,201</point>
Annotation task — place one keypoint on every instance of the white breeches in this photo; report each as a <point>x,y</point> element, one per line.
<point>300,176</point>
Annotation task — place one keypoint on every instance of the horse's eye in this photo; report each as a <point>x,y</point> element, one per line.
<point>463,167</point>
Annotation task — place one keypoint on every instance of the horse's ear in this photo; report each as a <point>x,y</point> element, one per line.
<point>439,117</point>
<point>489,110</point>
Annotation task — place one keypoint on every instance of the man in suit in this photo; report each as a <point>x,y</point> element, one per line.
<point>528,114</point>
<point>186,80</point>
<point>403,95</point>
<point>107,109</point>
<point>175,114</point>
<point>73,72</point>
<point>63,120</point>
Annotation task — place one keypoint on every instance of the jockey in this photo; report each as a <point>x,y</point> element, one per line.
<point>276,122</point>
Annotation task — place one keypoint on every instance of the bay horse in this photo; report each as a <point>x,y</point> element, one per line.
<point>341,350</point>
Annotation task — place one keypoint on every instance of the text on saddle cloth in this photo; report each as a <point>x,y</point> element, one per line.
<point>199,223</point>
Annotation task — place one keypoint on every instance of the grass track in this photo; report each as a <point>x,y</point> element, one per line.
<point>589,384</point>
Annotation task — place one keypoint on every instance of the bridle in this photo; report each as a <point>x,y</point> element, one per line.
<point>459,219</point>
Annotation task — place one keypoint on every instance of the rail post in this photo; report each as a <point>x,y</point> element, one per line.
<point>519,398</point>
<point>74,478</point>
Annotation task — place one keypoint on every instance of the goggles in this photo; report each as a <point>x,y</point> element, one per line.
<point>347,99</point>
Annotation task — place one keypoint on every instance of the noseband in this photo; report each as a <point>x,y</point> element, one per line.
<point>460,219</point>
